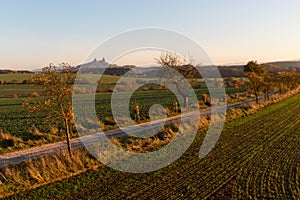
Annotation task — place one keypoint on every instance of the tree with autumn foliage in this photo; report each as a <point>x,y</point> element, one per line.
<point>256,75</point>
<point>285,81</point>
<point>56,84</point>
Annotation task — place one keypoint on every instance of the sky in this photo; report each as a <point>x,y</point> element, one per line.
<point>34,33</point>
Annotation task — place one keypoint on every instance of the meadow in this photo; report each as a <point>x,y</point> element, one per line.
<point>17,77</point>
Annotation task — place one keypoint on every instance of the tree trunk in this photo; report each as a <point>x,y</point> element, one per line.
<point>266,95</point>
<point>256,96</point>
<point>186,101</point>
<point>67,130</point>
<point>185,98</point>
<point>280,89</point>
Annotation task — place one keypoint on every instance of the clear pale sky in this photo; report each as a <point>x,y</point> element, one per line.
<point>34,33</point>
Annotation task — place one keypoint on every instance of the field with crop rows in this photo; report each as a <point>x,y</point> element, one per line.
<point>15,120</point>
<point>14,76</point>
<point>257,157</point>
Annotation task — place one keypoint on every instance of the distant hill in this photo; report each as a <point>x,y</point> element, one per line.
<point>95,64</point>
<point>103,67</point>
<point>286,64</point>
<point>8,71</point>
<point>282,66</point>
<point>231,71</point>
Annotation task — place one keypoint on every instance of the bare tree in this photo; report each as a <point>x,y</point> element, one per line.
<point>181,65</point>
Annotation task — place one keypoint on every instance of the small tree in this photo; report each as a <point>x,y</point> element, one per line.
<point>136,110</point>
<point>267,85</point>
<point>280,80</point>
<point>256,74</point>
<point>56,83</point>
<point>206,99</point>
<point>293,78</point>
<point>185,68</point>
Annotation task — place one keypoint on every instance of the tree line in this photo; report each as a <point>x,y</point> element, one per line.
<point>260,81</point>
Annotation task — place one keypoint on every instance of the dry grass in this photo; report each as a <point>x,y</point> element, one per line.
<point>252,107</point>
<point>8,141</point>
<point>149,144</point>
<point>37,172</point>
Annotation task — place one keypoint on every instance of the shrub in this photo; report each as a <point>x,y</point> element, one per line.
<point>151,87</point>
<point>7,140</point>
<point>7,143</point>
<point>145,89</point>
<point>34,94</point>
<point>14,81</point>
<point>109,121</point>
<point>53,130</point>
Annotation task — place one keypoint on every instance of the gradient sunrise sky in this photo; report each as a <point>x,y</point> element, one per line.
<point>35,33</point>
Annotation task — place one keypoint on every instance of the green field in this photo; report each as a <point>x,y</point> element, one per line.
<point>257,157</point>
<point>15,120</point>
<point>14,76</point>
<point>22,90</point>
